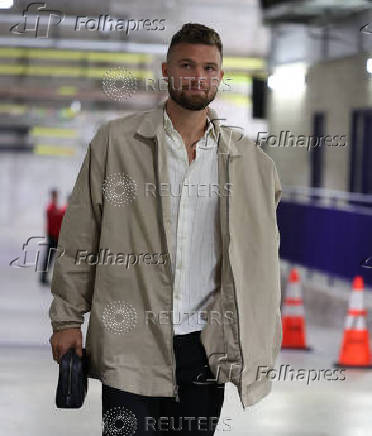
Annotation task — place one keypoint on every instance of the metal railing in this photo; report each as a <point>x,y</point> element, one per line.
<point>328,197</point>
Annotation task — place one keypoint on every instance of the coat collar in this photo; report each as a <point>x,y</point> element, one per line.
<point>152,123</point>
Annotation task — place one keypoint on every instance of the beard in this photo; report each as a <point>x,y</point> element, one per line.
<point>191,102</point>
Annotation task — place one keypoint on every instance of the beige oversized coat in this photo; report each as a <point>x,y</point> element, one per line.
<point>129,337</point>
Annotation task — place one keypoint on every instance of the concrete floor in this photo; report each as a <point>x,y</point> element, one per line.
<point>28,379</point>
<point>329,408</point>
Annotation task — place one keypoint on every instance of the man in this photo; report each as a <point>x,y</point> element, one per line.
<point>171,244</point>
<point>53,225</point>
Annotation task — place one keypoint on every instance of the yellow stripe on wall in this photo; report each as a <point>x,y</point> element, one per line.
<point>75,55</point>
<point>66,71</point>
<point>53,131</point>
<point>244,63</point>
<point>46,149</point>
<point>238,99</point>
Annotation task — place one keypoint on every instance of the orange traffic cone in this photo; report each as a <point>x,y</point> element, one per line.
<point>355,351</point>
<point>293,315</point>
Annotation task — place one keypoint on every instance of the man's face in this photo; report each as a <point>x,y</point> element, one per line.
<point>193,73</point>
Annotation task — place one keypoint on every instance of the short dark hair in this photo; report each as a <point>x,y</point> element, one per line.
<point>194,33</point>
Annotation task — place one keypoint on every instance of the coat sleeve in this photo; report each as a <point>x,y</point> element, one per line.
<point>73,278</point>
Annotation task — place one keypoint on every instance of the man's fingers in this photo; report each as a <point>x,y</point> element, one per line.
<point>54,348</point>
<point>63,348</point>
<point>78,350</point>
<point>54,352</point>
<point>62,341</point>
<point>79,345</point>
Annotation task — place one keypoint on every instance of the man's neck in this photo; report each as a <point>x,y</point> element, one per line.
<point>189,124</point>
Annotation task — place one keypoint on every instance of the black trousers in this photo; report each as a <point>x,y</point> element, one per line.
<point>198,412</point>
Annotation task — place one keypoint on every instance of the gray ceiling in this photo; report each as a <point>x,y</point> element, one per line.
<point>237,21</point>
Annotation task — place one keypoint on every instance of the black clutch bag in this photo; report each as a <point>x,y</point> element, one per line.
<point>72,380</point>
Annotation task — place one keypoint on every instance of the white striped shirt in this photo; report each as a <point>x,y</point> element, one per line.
<point>195,246</point>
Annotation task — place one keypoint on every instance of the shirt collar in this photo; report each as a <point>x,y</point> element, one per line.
<point>210,130</point>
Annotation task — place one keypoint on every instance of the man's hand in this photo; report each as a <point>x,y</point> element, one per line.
<point>63,340</point>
